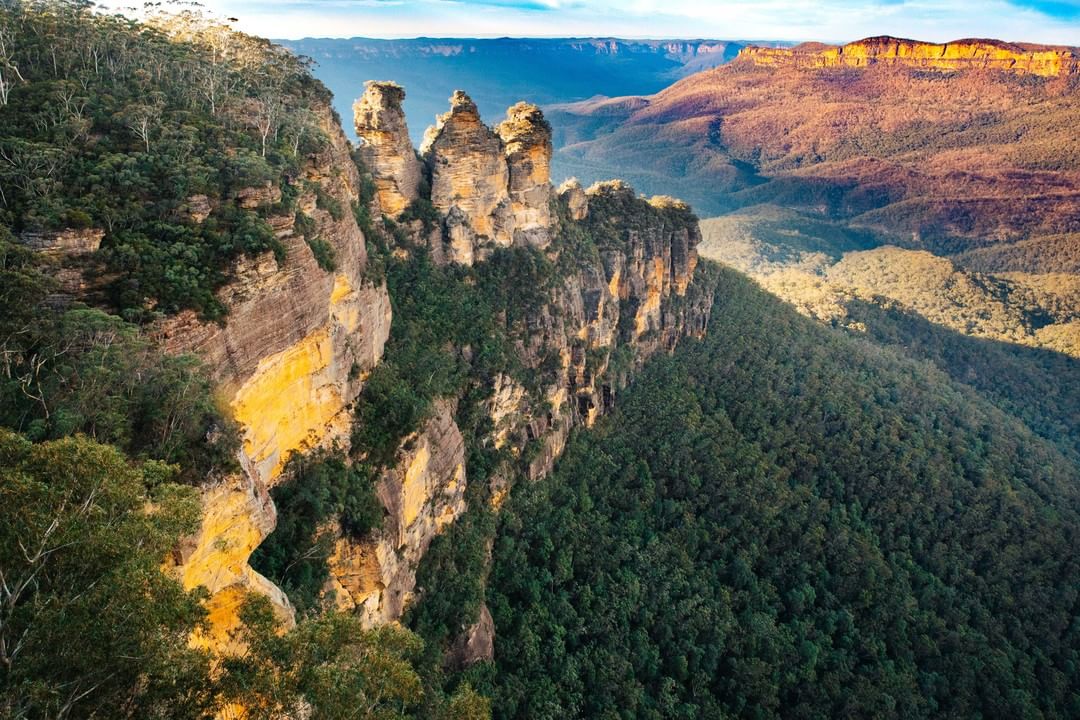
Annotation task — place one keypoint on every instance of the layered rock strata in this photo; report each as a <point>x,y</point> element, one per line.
<point>290,359</point>
<point>385,147</point>
<point>1047,61</point>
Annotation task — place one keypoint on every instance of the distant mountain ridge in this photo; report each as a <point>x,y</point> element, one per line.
<point>966,54</point>
<point>501,71</point>
<point>945,147</point>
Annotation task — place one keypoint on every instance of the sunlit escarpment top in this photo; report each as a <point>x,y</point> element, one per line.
<point>970,54</point>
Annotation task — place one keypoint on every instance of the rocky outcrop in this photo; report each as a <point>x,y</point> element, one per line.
<point>469,174</point>
<point>607,313</point>
<point>423,493</point>
<point>299,342</point>
<point>476,644</point>
<point>490,187</point>
<point>237,515</point>
<point>526,137</point>
<point>625,302</point>
<point>385,147</point>
<point>291,357</point>
<point>1047,61</point>
<point>69,258</point>
<point>573,196</point>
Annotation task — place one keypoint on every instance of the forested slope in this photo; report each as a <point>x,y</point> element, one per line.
<point>784,521</point>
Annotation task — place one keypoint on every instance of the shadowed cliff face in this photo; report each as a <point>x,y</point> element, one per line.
<point>290,360</point>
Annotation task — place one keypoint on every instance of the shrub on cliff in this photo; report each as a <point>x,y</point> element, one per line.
<point>80,370</point>
<point>115,124</point>
<point>330,667</point>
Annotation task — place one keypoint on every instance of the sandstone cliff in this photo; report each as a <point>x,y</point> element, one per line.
<point>526,139</point>
<point>622,293</point>
<point>290,359</point>
<point>385,146</point>
<point>300,340</point>
<point>957,55</point>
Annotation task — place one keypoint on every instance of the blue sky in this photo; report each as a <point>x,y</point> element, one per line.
<point>1051,21</point>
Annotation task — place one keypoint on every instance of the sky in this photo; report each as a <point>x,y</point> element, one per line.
<point>1046,21</point>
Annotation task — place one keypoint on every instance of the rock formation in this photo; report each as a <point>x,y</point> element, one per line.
<point>491,187</point>
<point>385,146</point>
<point>299,342</point>
<point>526,137</point>
<point>290,360</point>
<point>624,300</point>
<point>469,172</point>
<point>422,493</point>
<point>1047,61</point>
<point>573,195</point>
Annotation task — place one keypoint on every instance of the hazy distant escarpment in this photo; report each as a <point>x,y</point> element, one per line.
<point>973,54</point>
<point>499,72</point>
<point>949,148</point>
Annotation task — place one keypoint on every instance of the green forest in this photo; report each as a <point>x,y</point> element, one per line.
<point>783,521</point>
<point>110,123</point>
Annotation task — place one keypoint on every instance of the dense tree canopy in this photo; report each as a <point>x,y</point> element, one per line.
<point>89,625</point>
<point>781,521</point>
<point>114,124</point>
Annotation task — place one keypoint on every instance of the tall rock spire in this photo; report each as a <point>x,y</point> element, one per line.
<point>469,171</point>
<point>385,146</point>
<point>526,137</point>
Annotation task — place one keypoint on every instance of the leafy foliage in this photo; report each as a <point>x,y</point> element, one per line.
<point>332,666</point>
<point>782,521</point>
<point>453,326</point>
<point>89,625</point>
<point>80,370</point>
<point>115,124</point>
<point>319,484</point>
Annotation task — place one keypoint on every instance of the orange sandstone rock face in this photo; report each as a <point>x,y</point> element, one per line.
<point>469,172</point>
<point>956,55</point>
<point>422,494</point>
<point>237,515</point>
<point>290,359</point>
<point>385,146</point>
